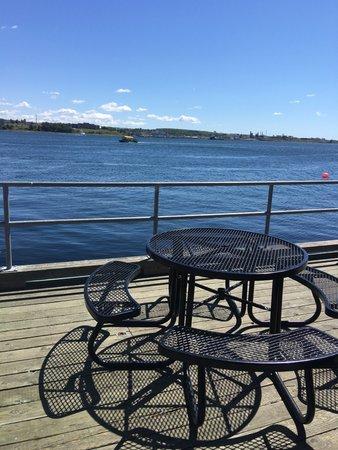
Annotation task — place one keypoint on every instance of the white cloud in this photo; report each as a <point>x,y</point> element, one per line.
<point>162,118</point>
<point>114,107</point>
<point>311,95</point>
<point>15,114</point>
<point>5,27</point>
<point>67,115</point>
<point>66,111</point>
<point>293,102</point>
<point>190,119</point>
<point>23,104</point>
<point>98,117</point>
<point>320,114</point>
<point>4,102</point>
<point>277,113</point>
<point>5,113</point>
<point>133,123</point>
<point>141,109</point>
<point>73,116</point>
<point>52,94</point>
<point>199,107</point>
<point>78,101</point>
<point>181,118</point>
<point>46,115</point>
<point>123,91</point>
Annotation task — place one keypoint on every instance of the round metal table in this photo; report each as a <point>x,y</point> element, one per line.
<point>229,254</point>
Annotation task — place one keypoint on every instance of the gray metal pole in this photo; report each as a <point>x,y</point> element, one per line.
<point>268,209</point>
<point>156,207</point>
<point>7,227</point>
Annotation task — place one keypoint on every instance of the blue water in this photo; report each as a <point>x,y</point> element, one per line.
<point>63,157</point>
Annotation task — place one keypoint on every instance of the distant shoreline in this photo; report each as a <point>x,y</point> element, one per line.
<point>172,133</point>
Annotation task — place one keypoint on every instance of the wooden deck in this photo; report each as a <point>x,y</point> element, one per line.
<point>52,397</point>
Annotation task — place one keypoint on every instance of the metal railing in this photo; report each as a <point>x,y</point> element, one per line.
<point>8,224</point>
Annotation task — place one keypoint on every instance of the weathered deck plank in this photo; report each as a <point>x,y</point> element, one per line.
<point>36,319</point>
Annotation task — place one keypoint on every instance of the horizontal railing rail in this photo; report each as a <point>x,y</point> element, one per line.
<point>7,223</point>
<point>161,183</point>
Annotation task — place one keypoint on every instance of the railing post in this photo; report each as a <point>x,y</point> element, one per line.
<point>156,206</point>
<point>268,209</point>
<point>7,227</point>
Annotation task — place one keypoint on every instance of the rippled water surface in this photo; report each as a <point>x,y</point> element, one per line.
<point>63,157</point>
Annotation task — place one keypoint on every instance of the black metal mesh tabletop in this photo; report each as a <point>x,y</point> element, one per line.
<point>227,253</point>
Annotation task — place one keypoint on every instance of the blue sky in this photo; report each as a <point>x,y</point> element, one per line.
<point>231,66</point>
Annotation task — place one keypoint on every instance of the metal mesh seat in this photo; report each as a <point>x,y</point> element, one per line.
<point>322,284</point>
<point>109,301</point>
<point>304,348</point>
<point>106,292</point>
<point>290,350</point>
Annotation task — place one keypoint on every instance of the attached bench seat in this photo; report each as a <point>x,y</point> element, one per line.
<point>300,349</point>
<point>110,303</point>
<point>290,350</point>
<point>106,292</point>
<point>322,284</point>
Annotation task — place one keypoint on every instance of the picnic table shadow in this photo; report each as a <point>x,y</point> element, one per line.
<point>146,408</point>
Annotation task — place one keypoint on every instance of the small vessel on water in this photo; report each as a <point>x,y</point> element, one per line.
<point>128,139</point>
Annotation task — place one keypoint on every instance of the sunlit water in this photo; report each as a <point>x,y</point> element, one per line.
<point>65,157</point>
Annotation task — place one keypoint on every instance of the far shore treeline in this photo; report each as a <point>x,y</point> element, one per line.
<point>89,128</point>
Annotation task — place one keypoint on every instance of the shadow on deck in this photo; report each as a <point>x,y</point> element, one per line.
<point>148,408</point>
